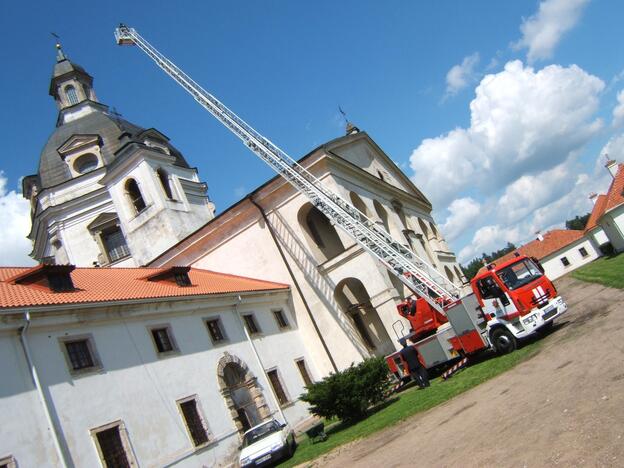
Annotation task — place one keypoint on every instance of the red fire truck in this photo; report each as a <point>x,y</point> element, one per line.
<point>508,302</point>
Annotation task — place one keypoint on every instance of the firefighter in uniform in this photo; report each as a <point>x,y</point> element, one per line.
<point>416,369</point>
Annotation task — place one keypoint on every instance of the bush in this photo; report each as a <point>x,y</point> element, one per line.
<point>348,394</point>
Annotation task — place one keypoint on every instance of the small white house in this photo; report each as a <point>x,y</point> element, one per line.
<point>148,367</point>
<point>560,251</point>
<point>606,222</point>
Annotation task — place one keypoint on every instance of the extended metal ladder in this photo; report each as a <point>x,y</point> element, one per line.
<point>413,271</point>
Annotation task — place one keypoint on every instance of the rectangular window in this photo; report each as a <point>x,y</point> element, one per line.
<point>303,370</point>
<point>163,339</point>
<point>112,447</point>
<point>280,318</point>
<point>277,387</point>
<point>115,244</point>
<point>250,324</point>
<point>194,422</point>
<point>79,354</point>
<point>215,330</point>
<point>565,261</point>
<point>583,252</point>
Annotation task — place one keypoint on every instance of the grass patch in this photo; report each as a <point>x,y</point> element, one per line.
<point>608,271</point>
<point>412,401</point>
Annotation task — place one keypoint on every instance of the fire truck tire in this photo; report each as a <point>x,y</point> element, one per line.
<point>503,341</point>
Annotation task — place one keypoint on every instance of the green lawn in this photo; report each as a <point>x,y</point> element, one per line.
<point>413,401</point>
<point>608,271</point>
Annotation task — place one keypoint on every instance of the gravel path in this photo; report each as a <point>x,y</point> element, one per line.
<point>563,407</point>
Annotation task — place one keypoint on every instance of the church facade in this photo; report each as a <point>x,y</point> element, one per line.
<point>114,195</point>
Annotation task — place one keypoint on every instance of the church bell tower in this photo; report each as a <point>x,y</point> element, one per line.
<point>108,192</point>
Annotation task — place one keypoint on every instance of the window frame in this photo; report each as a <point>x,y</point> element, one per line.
<point>283,317</point>
<point>308,374</point>
<point>564,260</point>
<point>256,326</point>
<point>282,387</point>
<point>104,233</point>
<point>71,94</point>
<point>202,420</point>
<point>123,435</point>
<point>224,336</point>
<point>170,336</point>
<point>581,250</point>
<point>9,461</point>
<point>138,204</point>
<point>95,358</point>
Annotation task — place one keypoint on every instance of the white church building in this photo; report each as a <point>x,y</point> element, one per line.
<point>158,332</point>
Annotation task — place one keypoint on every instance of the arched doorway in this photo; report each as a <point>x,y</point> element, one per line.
<point>354,300</point>
<point>242,393</point>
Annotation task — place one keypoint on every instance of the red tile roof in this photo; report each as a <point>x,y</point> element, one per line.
<point>120,284</point>
<point>553,241</point>
<point>597,212</point>
<point>614,197</point>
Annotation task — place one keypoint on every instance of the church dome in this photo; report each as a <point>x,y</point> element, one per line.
<point>82,115</point>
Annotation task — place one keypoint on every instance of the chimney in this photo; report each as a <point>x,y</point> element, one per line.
<point>539,236</point>
<point>612,167</point>
<point>593,196</point>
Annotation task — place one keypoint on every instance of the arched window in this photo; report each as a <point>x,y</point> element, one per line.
<point>321,234</point>
<point>458,273</point>
<point>434,230</point>
<point>382,214</point>
<point>165,182</point>
<point>423,228</point>
<point>448,272</point>
<point>358,203</point>
<point>134,194</point>
<point>72,96</point>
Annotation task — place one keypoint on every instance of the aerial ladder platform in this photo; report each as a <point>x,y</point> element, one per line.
<point>418,275</point>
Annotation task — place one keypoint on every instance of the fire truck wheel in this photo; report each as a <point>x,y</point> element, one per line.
<point>503,341</point>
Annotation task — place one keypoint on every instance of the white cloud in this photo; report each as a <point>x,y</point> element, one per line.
<point>488,239</point>
<point>522,122</point>
<point>14,227</point>
<point>460,76</point>
<point>542,31</point>
<point>614,149</point>
<point>463,213</point>
<point>618,110</point>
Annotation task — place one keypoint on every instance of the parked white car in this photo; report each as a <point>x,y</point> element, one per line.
<point>266,444</point>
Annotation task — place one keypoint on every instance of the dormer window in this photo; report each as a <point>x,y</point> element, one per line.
<point>86,163</point>
<point>72,96</point>
<point>60,281</point>
<point>178,274</point>
<point>134,195</point>
<point>182,279</point>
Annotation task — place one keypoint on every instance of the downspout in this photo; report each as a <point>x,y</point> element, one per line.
<point>35,377</point>
<point>296,283</point>
<point>255,351</point>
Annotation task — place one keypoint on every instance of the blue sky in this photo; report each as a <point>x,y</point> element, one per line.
<point>498,110</point>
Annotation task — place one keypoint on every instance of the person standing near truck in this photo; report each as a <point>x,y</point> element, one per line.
<point>416,369</point>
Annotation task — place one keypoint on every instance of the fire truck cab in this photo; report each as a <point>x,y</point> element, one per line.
<point>517,299</point>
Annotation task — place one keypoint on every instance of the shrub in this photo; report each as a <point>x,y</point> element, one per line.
<point>348,394</point>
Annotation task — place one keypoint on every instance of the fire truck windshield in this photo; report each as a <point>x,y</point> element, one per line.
<point>519,274</point>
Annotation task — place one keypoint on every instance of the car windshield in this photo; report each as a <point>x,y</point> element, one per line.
<point>519,274</point>
<point>254,435</point>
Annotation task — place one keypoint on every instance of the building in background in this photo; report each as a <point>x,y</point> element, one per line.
<point>606,222</point>
<point>560,251</point>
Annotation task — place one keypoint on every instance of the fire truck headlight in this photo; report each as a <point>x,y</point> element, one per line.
<point>530,319</point>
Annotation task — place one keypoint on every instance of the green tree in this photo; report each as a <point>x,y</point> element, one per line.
<point>578,222</point>
<point>348,394</point>
<point>471,269</point>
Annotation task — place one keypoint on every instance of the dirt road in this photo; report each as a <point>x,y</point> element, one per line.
<point>563,407</point>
